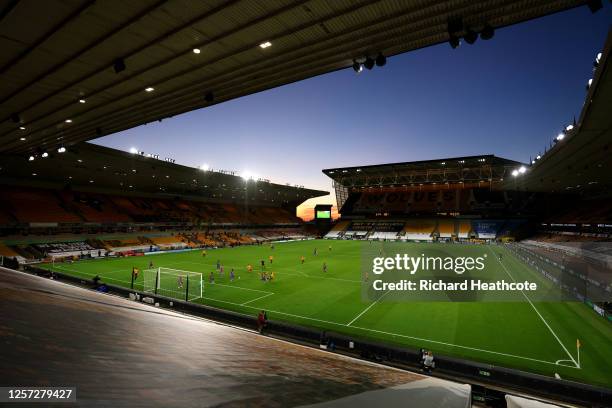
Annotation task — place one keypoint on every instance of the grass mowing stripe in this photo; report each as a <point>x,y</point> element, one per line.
<point>538,313</point>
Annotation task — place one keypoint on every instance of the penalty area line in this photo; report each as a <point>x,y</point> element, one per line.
<point>393,334</point>
<point>367,308</point>
<point>253,300</point>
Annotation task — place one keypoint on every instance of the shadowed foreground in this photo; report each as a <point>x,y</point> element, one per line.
<point>121,353</point>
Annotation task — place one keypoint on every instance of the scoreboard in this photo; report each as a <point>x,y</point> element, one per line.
<point>322,213</point>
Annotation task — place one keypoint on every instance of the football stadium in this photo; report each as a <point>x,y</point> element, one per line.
<point>129,278</point>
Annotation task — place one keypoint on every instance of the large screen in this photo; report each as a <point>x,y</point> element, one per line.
<point>324,214</point>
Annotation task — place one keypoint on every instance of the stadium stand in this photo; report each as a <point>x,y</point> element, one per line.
<point>7,251</point>
<point>486,229</point>
<point>464,228</point>
<point>446,228</point>
<point>338,229</point>
<point>166,242</point>
<point>465,198</point>
<point>93,208</point>
<point>68,249</point>
<point>24,204</point>
<point>419,230</point>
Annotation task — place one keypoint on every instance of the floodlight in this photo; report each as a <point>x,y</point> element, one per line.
<point>133,150</point>
<point>204,167</point>
<point>369,63</point>
<point>454,41</point>
<point>31,158</point>
<point>265,45</point>
<point>15,118</point>
<point>22,128</point>
<point>209,97</point>
<point>149,89</point>
<point>61,149</point>
<point>515,173</point>
<point>569,127</point>
<point>45,155</point>
<point>196,51</point>
<point>522,169</point>
<point>247,175</point>
<point>68,121</point>
<point>357,67</point>
<point>381,60</point>
<point>560,136</point>
<point>82,101</point>
<point>22,139</point>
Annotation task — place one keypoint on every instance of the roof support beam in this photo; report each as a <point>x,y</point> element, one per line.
<point>47,35</point>
<point>85,49</point>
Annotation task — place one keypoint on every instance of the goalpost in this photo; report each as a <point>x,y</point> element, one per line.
<point>173,283</point>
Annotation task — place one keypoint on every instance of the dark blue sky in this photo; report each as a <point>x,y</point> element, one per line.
<point>508,96</point>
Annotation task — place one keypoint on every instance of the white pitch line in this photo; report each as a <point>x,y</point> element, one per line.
<point>275,311</point>
<point>536,310</point>
<point>458,346</point>
<point>367,308</point>
<point>239,287</point>
<point>261,297</point>
<point>372,330</point>
<point>394,334</point>
<point>102,277</point>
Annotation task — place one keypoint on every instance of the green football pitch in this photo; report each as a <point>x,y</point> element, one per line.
<point>539,337</point>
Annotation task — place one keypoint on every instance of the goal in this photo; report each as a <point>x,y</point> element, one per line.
<point>173,283</point>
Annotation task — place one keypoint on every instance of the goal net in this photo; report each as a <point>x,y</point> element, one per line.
<point>173,283</point>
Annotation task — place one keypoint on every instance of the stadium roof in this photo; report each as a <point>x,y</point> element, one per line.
<point>90,167</point>
<point>56,54</point>
<point>581,160</point>
<point>452,170</point>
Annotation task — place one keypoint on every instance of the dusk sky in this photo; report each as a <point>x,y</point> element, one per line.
<point>508,96</point>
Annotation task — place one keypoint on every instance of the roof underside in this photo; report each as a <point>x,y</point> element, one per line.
<point>452,170</point>
<point>582,161</point>
<point>57,52</point>
<point>90,167</point>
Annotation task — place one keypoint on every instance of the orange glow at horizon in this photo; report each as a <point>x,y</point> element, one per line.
<point>306,212</point>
